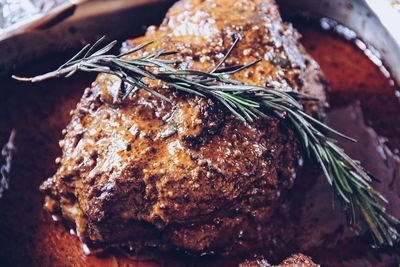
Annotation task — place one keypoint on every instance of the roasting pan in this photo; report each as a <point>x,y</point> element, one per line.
<point>68,28</point>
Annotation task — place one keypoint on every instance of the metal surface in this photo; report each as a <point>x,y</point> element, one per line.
<point>376,22</point>
<point>19,15</point>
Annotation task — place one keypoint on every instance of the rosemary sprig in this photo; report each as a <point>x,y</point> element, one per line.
<point>349,180</point>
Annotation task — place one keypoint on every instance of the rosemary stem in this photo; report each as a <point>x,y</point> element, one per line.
<point>53,74</point>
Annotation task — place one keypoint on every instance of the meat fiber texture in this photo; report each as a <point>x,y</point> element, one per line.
<point>186,174</point>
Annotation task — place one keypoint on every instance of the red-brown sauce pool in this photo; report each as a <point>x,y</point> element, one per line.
<point>38,112</point>
<point>353,77</point>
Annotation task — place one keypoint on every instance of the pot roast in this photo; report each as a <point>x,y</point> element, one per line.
<point>186,174</point>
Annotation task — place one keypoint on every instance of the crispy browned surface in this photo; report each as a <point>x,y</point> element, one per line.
<point>297,260</point>
<point>127,178</point>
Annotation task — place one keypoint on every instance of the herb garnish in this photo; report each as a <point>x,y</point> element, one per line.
<point>349,180</point>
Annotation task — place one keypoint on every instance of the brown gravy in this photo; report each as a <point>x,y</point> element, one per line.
<point>29,237</point>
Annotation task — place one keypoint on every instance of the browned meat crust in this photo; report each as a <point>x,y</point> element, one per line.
<point>185,174</point>
<point>297,260</point>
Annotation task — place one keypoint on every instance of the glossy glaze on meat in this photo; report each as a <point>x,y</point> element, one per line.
<point>187,174</point>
